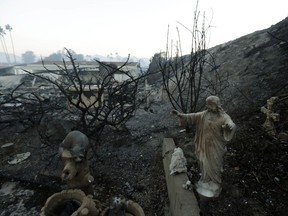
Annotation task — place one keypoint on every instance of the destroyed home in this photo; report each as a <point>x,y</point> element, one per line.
<point>92,73</point>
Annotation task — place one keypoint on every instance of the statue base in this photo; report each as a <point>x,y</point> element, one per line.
<point>208,189</point>
<point>70,202</point>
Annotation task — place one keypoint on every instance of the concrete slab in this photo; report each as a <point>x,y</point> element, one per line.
<point>182,202</point>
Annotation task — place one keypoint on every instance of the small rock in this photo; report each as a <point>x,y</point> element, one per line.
<point>19,158</point>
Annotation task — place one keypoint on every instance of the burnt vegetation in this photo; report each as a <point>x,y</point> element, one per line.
<point>91,103</point>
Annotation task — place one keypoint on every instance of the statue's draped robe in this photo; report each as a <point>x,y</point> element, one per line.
<point>210,140</point>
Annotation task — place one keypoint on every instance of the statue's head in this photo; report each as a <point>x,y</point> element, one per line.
<point>213,104</point>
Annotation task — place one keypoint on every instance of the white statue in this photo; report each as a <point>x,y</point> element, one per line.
<point>178,162</point>
<point>214,128</point>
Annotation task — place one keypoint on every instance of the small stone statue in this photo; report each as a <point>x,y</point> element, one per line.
<point>271,117</point>
<point>76,172</point>
<point>214,128</point>
<point>178,162</point>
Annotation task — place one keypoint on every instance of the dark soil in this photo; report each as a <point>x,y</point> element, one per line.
<point>129,164</point>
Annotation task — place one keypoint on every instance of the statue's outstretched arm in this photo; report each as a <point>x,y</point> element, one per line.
<point>229,128</point>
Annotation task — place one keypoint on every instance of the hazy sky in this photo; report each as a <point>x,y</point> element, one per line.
<point>136,27</point>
